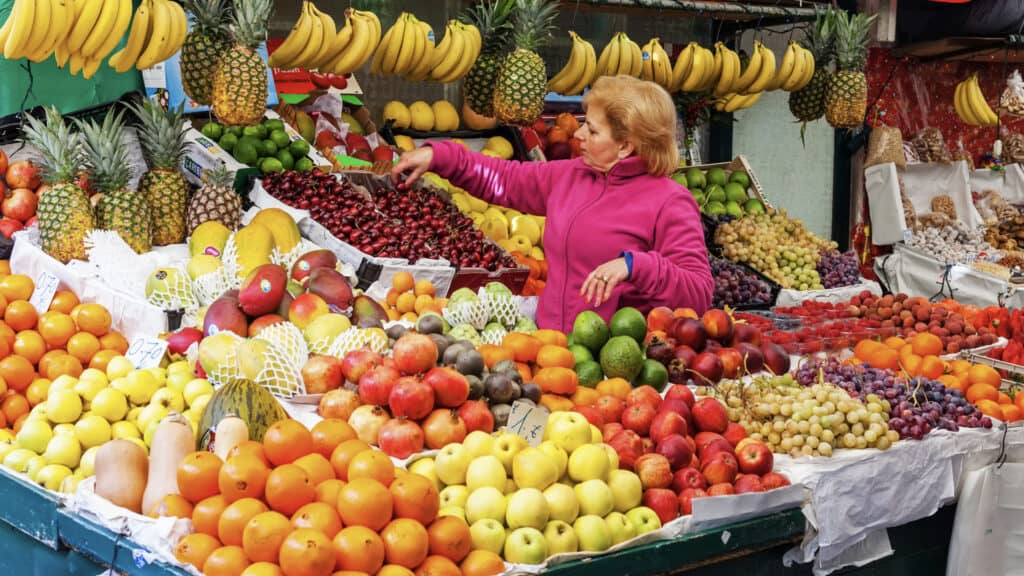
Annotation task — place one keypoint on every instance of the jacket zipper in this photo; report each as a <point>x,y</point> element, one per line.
<point>568,232</point>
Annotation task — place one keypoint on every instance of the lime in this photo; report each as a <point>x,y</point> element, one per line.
<point>269,165</point>
<point>286,158</point>
<point>590,330</point>
<point>621,357</point>
<point>261,131</point>
<point>228,141</point>
<point>653,374</point>
<point>268,148</point>
<point>581,353</point>
<point>741,178</point>
<point>212,130</point>
<point>298,148</point>
<point>246,153</point>
<point>236,130</point>
<point>589,373</point>
<point>280,138</point>
<point>252,141</point>
<point>303,164</point>
<point>630,322</point>
<point>252,131</point>
<point>274,124</point>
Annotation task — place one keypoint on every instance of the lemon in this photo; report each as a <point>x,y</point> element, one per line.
<point>398,112</point>
<point>422,116</point>
<point>446,118</point>
<point>499,145</point>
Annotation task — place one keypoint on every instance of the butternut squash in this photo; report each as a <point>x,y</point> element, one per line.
<point>172,441</point>
<point>231,431</point>
<point>122,468</point>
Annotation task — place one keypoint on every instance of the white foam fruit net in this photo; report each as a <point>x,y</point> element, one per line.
<point>347,341</point>
<point>283,360</point>
<point>210,286</point>
<point>377,340</point>
<point>503,308</point>
<point>177,295</point>
<point>493,335</point>
<point>229,264</point>
<point>228,370</point>
<point>476,313</point>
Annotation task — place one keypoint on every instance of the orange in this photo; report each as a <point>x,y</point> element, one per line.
<point>358,548</point>
<point>932,367</point>
<point>100,359</point>
<point>83,346</point>
<point>226,561</point>
<point>552,337</point>
<point>234,518</point>
<point>1011,413</point>
<point>206,514</point>
<point>286,441</point>
<point>1004,398</point>
<point>911,363</point>
<point>64,301</point>
<point>555,403</point>
<point>372,464</point>
<point>30,345</point>
<point>327,491</point>
<point>330,432</point>
<point>288,489</point>
<point>318,516</point>
<point>493,354</point>
<point>263,569</point>
<point>393,314</point>
<point>38,391</point>
<point>960,365</point>
<point>584,396</point>
<point>242,477</point>
<point>524,347</point>
<point>424,288</point>
<point>409,317</point>
<point>981,374</point>
<point>14,407</point>
<point>895,342</point>
<point>365,502</point>
<point>392,298</point>
<point>402,282</point>
<point>950,381</point>
<point>306,552</point>
<point>7,335</point>
<point>17,372</point>
<point>405,303</point>
<point>926,343</point>
<point>864,348</point>
<point>884,358</point>
<point>550,356</point>
<point>197,476</point>
<point>56,328</point>
<point>990,409</point>
<point>405,542</point>
<point>114,341</point>
<point>524,371</point>
<point>422,303</point>
<point>317,468</point>
<point>20,315</point>
<point>438,566</point>
<point>482,563</point>
<point>92,318</point>
<point>16,287</point>
<point>343,454</point>
<point>617,387</point>
<point>63,364</point>
<point>194,549</point>
<point>263,535</point>
<point>449,536</point>
<point>981,392</point>
<point>394,570</point>
<point>557,380</point>
<point>415,497</point>
<point>249,448</point>
<point>43,366</point>
<point>172,505</point>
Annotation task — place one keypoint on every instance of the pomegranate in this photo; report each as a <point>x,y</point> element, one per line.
<point>411,397</point>
<point>22,174</point>
<point>400,438</point>
<point>338,403</point>
<point>451,388</point>
<point>19,204</point>
<point>376,384</point>
<point>477,416</point>
<point>367,421</point>
<point>414,353</point>
<point>443,427</point>
<point>9,226</point>
<point>359,362</point>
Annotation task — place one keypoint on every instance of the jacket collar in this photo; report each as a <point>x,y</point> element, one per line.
<point>623,169</point>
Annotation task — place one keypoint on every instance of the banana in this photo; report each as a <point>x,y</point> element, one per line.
<point>341,42</point>
<point>979,106</point>
<point>608,62</point>
<point>124,18</point>
<point>293,43</point>
<point>625,56</point>
<point>961,107</point>
<point>730,72</point>
<point>103,28</point>
<point>123,60</point>
<point>662,66</point>
<point>5,30</point>
<point>85,19</point>
<point>785,69</point>
<point>330,34</point>
<point>407,54</point>
<point>637,58</point>
<point>424,42</point>
<point>391,46</point>
<point>421,71</point>
<point>375,30</point>
<point>681,68</point>
<point>159,36</point>
<point>647,61</point>
<point>799,70</point>
<point>313,43</point>
<point>40,27</point>
<point>77,61</point>
<point>808,60</point>
<point>470,52</point>
<point>20,22</point>
<point>354,55</point>
<point>61,15</point>
<point>573,69</point>
<point>714,70</point>
<point>179,29</point>
<point>474,34</point>
<point>695,77</point>
<point>767,72</point>
<point>589,66</point>
<point>449,63</point>
<point>740,101</point>
<point>752,72</point>
<point>442,49</point>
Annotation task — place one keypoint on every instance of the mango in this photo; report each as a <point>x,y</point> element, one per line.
<point>281,226</point>
<point>250,357</point>
<point>366,312</point>
<point>262,290</point>
<point>254,243</point>
<point>310,261</point>
<point>209,238</point>
<point>330,285</point>
<point>202,264</point>
<point>225,315</point>
<point>306,308</point>
<point>215,350</point>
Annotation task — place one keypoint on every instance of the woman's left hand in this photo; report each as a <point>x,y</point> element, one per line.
<point>598,286</point>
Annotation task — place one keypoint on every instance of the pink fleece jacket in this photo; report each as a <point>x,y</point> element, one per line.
<point>593,218</point>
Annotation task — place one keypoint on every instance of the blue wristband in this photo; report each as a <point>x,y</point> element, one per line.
<point>628,256</point>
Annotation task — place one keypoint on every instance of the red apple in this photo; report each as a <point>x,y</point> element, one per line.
<point>718,324</point>
<point>684,353</point>
<point>359,362</point>
<point>414,353</point>
<point>710,416</point>
<point>32,221</point>
<point>376,383</point>
<point>776,360</point>
<point>753,359</point>
<point>732,362</point>
<point>748,483</point>
<point>678,406</point>
<point>734,433</point>
<point>773,480</point>
<point>451,388</point>
<point>689,332</point>
<point>755,458</point>
<point>682,392</point>
<point>648,445</point>
<point>686,497</point>
<point>22,174</point>
<point>477,416</point>
<point>667,423</point>
<point>338,404</point>
<point>321,374</point>
<point>180,341</point>
<point>611,408</point>
<point>664,502</point>
<point>443,427</point>
<point>715,447</point>
<point>721,468</point>
<point>644,394</point>
<point>676,449</point>
<point>743,332</point>
<point>400,438</point>
<point>411,397</point>
<point>702,439</point>
<point>638,418</point>
<point>592,414</point>
<point>688,478</point>
<point>654,471</point>
<point>19,204</point>
<point>721,490</point>
<point>628,445</point>
<point>3,162</point>
<point>610,430</point>
<point>706,368</point>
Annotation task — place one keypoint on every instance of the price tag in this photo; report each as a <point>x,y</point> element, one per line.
<point>42,296</point>
<point>971,258</point>
<point>527,421</point>
<point>146,352</point>
<point>907,235</point>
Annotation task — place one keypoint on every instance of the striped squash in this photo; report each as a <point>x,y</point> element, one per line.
<point>243,398</point>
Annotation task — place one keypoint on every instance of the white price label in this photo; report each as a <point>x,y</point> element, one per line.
<point>907,236</point>
<point>528,421</point>
<point>146,352</point>
<point>42,296</point>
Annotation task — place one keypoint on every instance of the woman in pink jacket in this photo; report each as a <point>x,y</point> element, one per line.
<point>619,231</point>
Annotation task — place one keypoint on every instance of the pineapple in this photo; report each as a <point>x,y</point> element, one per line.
<point>64,210</point>
<point>492,18</point>
<point>216,200</point>
<point>162,135</point>
<point>119,209</point>
<point>808,104</point>
<point>203,47</point>
<point>522,81</point>
<point>847,93</point>
<point>240,82</point>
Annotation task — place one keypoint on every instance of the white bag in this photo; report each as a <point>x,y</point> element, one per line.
<point>988,533</point>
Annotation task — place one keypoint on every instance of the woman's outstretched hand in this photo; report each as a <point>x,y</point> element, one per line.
<point>411,165</point>
<point>598,286</point>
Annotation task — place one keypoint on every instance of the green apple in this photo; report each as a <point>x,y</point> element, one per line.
<point>64,449</point>
<point>595,497</point>
<point>34,435</point>
<point>486,502</point>
<point>644,519</point>
<point>627,490</point>
<point>487,534</point>
<point>485,471</point>
<point>505,448</point>
<point>595,435</point>
<point>588,462</point>
<point>526,546</point>
<point>151,413</point>
<point>613,457</point>
<point>532,468</point>
<point>92,431</point>
<point>561,538</point>
<point>94,374</point>
<point>64,428</point>
<point>195,388</point>
<point>133,414</point>
<point>147,434</point>
<point>199,404</point>
<point>7,435</point>
<point>6,448</point>
<point>63,382</point>
<point>159,373</point>
<point>169,399</point>
<point>527,507</point>
<point>143,386</point>
<point>427,468</point>
<point>52,476</point>
<point>478,443</point>
<point>592,533</point>
<point>70,483</point>
<point>33,467</point>
<point>558,456</point>
<point>178,381</point>
<point>179,366</point>
<point>562,503</point>
<point>451,464</point>
<point>89,388</point>
<point>134,389</point>
<point>620,527</point>
<point>18,458</point>
<point>569,430</point>
<point>63,406</point>
<point>119,367</point>
<point>124,429</point>
<point>110,404</point>
<point>38,412</point>
<point>455,495</point>
<point>456,511</point>
<point>510,487</point>
<point>87,464</point>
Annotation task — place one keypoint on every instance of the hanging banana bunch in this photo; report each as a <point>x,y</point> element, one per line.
<point>970,104</point>
<point>579,71</point>
<point>657,66</point>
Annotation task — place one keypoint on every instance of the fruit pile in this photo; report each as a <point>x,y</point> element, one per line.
<point>737,286</point>
<point>720,193</point>
<point>538,277</point>
<point>408,299</point>
<point>432,228</point>
<point>558,138</point>
<point>20,187</point>
<point>838,269</point>
<point>613,350</point>
<point>267,145</point>
<point>440,116</point>
<point>777,246</point>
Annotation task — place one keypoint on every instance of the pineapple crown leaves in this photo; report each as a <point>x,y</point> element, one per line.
<point>249,22</point>
<point>493,18</point>
<point>60,148</point>
<point>218,176</point>
<point>106,156</point>
<point>533,22</point>
<point>820,38</point>
<point>851,40</point>
<point>161,134</point>
<point>210,17</point>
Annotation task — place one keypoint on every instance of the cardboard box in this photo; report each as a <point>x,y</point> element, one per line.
<point>738,163</point>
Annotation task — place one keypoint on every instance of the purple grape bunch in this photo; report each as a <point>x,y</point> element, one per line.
<point>838,269</point>
<point>735,285</point>
<point>918,405</point>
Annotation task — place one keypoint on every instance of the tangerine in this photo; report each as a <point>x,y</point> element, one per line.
<point>438,566</point>
<point>990,408</point>
<point>226,561</point>
<point>552,337</point>
<point>63,364</point>
<point>263,569</point>
<point>83,346</point>
<point>617,387</point>
<point>288,489</point>
<point>306,552</point>
<point>358,548</point>
<point>114,341</point>
<point>233,520</point>
<point>30,345</point>
<point>250,448</point>
<point>415,497</point>
<point>171,505</point>
<point>317,467</point>
<point>327,491</point>
<point>926,343</point>
<point>982,374</point>
<point>56,328</point>
<point>405,542</point>
<point>197,476</point>
<point>7,335</point>
<point>424,288</point>
<point>524,347</point>
<point>330,432</point>
<point>286,441</point>
<point>403,282</point>
<point>16,287</point>
<point>195,548</point>
<point>206,514</point>
<point>92,318</point>
<point>242,477</point>
<point>932,367</point>
<point>394,570</point>
<point>449,536</point>
<point>15,407</point>
<point>20,315</point>
<point>64,301</point>
<point>263,535</point>
<point>38,391</point>
<point>343,454</point>
<point>405,303</point>
<point>17,372</point>
<point>979,392</point>
<point>482,563</point>
<point>318,516</point>
<point>372,464</point>
<point>1011,412</point>
<point>100,359</point>
<point>555,356</point>
<point>365,502</point>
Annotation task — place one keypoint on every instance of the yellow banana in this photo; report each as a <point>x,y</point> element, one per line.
<point>647,61</point>
<point>442,48</point>
<point>589,66</point>
<point>85,20</point>
<point>477,42</point>
<point>407,54</point>
<point>979,106</point>
<point>625,55</point>
<point>767,73</point>
<point>799,69</point>
<point>124,18</point>
<point>20,23</point>
<point>449,63</point>
<point>808,68</point>
<point>785,69</point>
<point>637,58</point>
<point>354,55</point>
<point>5,30</point>
<point>341,42</point>
<point>40,27</point>
<point>469,54</point>
<point>752,72</point>
<point>421,71</point>
<point>960,106</point>
<point>159,36</point>
<point>662,66</point>
<point>375,30</point>
<point>61,54</point>
<point>125,58</point>
<point>77,61</point>
<point>393,49</point>
<point>387,47</point>
<point>682,67</point>
<point>729,72</point>
<point>180,29</point>
<point>695,76</point>
<point>714,70</point>
<point>573,69</point>
<point>330,33</point>
<point>103,28</point>
<point>610,57</point>
<point>313,43</point>
<point>741,102</point>
<point>294,42</point>
<point>56,31</point>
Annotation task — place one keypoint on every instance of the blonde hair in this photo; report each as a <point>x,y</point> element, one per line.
<point>642,113</point>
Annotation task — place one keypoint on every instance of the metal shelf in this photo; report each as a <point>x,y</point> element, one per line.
<point>967,49</point>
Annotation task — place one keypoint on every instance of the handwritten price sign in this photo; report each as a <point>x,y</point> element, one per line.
<point>528,421</point>
<point>46,287</point>
<point>146,352</point>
